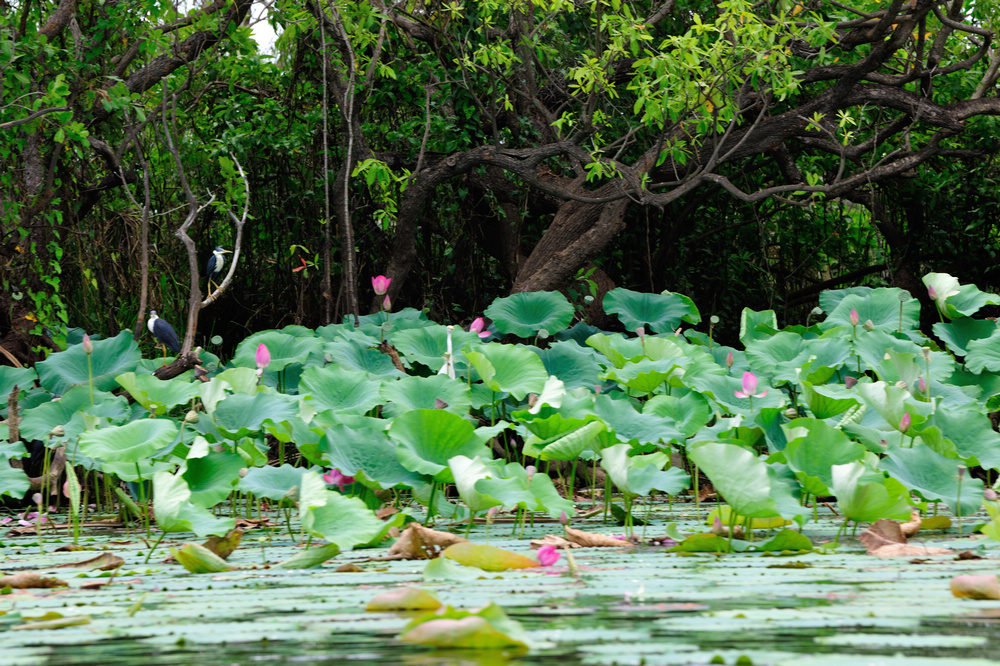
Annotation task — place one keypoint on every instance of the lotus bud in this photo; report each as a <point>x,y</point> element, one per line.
<point>244,471</point>
<point>932,292</point>
<point>532,399</point>
<point>791,413</point>
<point>641,332</point>
<point>729,359</point>
<point>531,470</point>
<point>855,319</point>
<point>884,444</point>
<point>869,325</point>
<point>191,417</point>
<point>904,423</point>
<point>37,498</point>
<point>58,431</point>
<point>386,303</point>
<point>88,346</point>
<point>922,385</point>
<point>597,389</point>
<point>851,382</point>
<point>990,495</point>
<point>491,514</point>
<point>563,518</point>
<point>816,311</point>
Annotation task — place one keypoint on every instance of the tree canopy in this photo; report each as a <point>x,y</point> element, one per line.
<point>743,153</point>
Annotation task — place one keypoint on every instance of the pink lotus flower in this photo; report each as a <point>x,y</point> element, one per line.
<point>855,319</point>
<point>563,518</point>
<point>922,385</point>
<point>88,346</point>
<point>932,292</point>
<point>380,284</point>
<point>335,478</point>
<point>904,423</point>
<point>749,387</point>
<point>263,356</point>
<point>478,326</point>
<point>386,304</point>
<point>548,555</point>
<point>5,520</point>
<point>990,495</point>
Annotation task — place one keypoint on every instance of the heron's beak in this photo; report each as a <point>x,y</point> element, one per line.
<point>227,251</point>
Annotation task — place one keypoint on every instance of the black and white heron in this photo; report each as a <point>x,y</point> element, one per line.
<point>215,263</point>
<point>164,333</point>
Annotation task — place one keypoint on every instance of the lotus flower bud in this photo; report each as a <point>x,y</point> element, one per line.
<point>58,431</point>
<point>932,292</point>
<point>922,385</point>
<point>990,495</point>
<point>851,382</point>
<point>904,423</point>
<point>563,518</point>
<point>641,332</point>
<point>729,359</point>
<point>191,417</point>
<point>869,325</point>
<point>88,346</point>
<point>855,319</point>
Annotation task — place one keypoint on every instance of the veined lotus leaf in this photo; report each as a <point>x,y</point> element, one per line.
<point>637,475</point>
<point>512,487</point>
<point>487,629</point>
<point>346,331</point>
<point>722,389</point>
<point>111,357</point>
<point>509,368</point>
<point>467,471</point>
<point>873,347</point>
<point>757,325</point>
<point>412,392</point>
<point>881,306</point>
<point>783,354</point>
<point>38,422</point>
<point>156,395</point>
<point>176,513</point>
<point>935,477</point>
<point>689,411</point>
<point>630,425</point>
<point>128,443</point>
<point>813,449</point>
<point>212,478</point>
<point>575,365</point>
<point>404,599</point>
<point>428,438</point>
<point>891,403</point>
<point>23,378</point>
<point>660,313</point>
<point>984,354</point>
<point>865,495</point>
<point>428,345</point>
<point>13,481</point>
<point>344,391</point>
<point>955,300</point>
<point>285,350</point>
<point>360,447</point>
<point>197,559</point>
<point>240,415</point>
<point>527,313</point>
<point>972,433</point>
<point>617,348</point>
<point>644,375</point>
<point>828,400</point>
<point>354,355</point>
<point>273,483</point>
<point>743,480</point>
<point>239,380</point>
<point>959,333</point>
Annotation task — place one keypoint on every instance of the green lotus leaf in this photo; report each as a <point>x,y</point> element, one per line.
<point>865,495</point>
<point>428,438</point>
<point>13,481</point>
<point>111,357</point>
<point>630,425</point>
<point>882,307</point>
<point>68,412</point>
<point>757,325</point>
<point>813,449</point>
<point>467,471</point>
<point>487,629</point>
<point>576,366</point>
<point>427,346</point>
<point>660,313</point>
<point>412,392</point>
<point>362,449</point>
<point>935,477</point>
<point>213,477</point>
<point>744,481</point>
<point>984,354</point>
<point>783,354</point>
<point>176,513</point>
<point>636,476</point>
<point>509,368</point>
<point>959,333</point>
<point>156,395</point>
<point>357,356</point>
<point>527,313</point>
<point>722,389</point>
<point>690,412</point>
<point>285,350</point>
<point>273,483</point>
<point>23,378</point>
<point>873,347</point>
<point>955,300</point>
<point>828,400</point>
<point>128,443</point>
<point>617,348</point>
<point>344,391</point>
<point>345,521</point>
<point>972,433</point>
<point>239,415</point>
<point>310,557</point>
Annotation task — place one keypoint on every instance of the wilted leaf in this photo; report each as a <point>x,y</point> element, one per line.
<point>592,540</point>
<point>553,540</point>
<point>421,543</point>
<point>976,586</point>
<point>913,525</point>
<point>487,558</point>
<point>885,539</point>
<point>104,562</point>
<point>472,633</point>
<point>404,599</point>
<point>311,557</point>
<point>198,559</point>
<point>30,579</point>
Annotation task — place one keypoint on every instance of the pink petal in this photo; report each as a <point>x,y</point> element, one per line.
<point>749,383</point>
<point>380,284</point>
<point>263,356</point>
<point>548,555</point>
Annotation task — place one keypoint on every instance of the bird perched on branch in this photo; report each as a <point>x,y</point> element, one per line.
<point>215,263</point>
<point>164,333</point>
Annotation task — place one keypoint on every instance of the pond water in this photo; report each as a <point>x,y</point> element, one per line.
<point>628,606</point>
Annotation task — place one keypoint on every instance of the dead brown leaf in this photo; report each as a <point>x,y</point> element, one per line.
<point>422,543</point>
<point>350,567</point>
<point>30,579</point>
<point>592,540</point>
<point>252,523</point>
<point>968,555</point>
<point>885,539</point>
<point>385,512</point>
<point>553,540</point>
<point>104,562</point>
<point>69,548</point>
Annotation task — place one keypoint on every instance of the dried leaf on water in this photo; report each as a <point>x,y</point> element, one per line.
<point>553,540</point>
<point>885,539</point>
<point>103,562</point>
<point>30,579</point>
<point>913,525</point>
<point>422,543</point>
<point>225,545</point>
<point>593,540</point>
<point>404,599</point>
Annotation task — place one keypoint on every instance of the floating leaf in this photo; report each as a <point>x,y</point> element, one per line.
<point>487,558</point>
<point>404,599</point>
<point>976,586</point>
<point>197,559</point>
<point>310,557</point>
